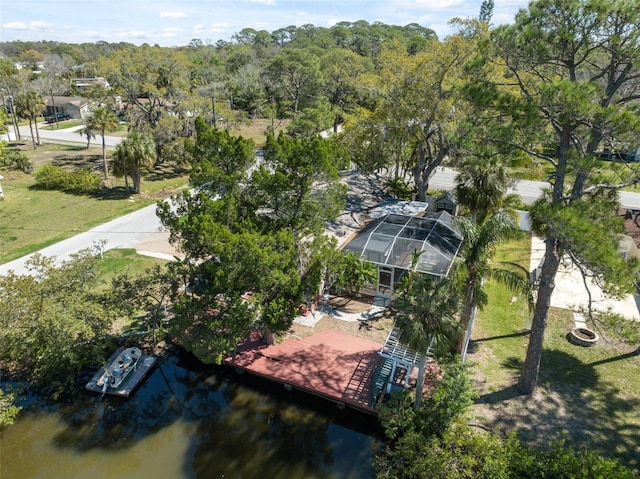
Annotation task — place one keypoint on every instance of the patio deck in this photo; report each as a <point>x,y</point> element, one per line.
<point>328,364</point>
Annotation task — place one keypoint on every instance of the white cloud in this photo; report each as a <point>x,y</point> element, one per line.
<point>15,26</point>
<point>430,5</point>
<point>170,33</point>
<point>259,25</point>
<point>173,15</point>
<point>213,28</point>
<point>33,26</point>
<point>222,18</point>
<point>132,34</point>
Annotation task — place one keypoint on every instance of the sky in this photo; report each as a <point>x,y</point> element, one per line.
<point>177,22</point>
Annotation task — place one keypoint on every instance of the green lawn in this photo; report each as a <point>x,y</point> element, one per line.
<point>255,129</point>
<point>33,219</point>
<point>590,396</point>
<point>118,261</point>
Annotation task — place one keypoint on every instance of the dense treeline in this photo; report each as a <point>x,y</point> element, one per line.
<point>314,76</point>
<point>360,36</point>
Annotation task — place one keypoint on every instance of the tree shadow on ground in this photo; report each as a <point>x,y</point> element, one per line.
<point>572,401</point>
<point>164,172</point>
<point>116,193</point>
<point>73,162</point>
<point>525,332</point>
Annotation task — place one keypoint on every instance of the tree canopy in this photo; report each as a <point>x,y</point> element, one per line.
<point>253,244</point>
<point>570,85</point>
<point>50,320</point>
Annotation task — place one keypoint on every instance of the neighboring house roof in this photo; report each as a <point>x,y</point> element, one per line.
<point>89,81</point>
<point>61,101</point>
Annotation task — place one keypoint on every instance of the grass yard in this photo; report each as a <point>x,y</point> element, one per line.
<point>117,261</point>
<point>590,396</point>
<point>255,129</point>
<point>33,219</point>
<point>120,261</point>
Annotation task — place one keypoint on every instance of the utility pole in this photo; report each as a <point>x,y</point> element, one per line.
<point>213,103</point>
<point>14,119</point>
<point>53,107</point>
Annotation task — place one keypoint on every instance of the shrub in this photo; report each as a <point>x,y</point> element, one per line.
<point>435,442</point>
<point>81,182</point>
<point>354,274</point>
<point>51,177</point>
<point>399,188</point>
<point>15,160</point>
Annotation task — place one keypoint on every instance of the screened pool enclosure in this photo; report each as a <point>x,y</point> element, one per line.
<point>392,240</point>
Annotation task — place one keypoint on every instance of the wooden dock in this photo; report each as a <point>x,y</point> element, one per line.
<point>145,364</point>
<point>335,366</point>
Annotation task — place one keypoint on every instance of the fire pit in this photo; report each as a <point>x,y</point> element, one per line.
<point>583,337</point>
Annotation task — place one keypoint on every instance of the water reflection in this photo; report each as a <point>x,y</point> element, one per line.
<point>191,421</point>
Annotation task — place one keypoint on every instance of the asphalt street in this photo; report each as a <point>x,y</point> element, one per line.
<point>129,231</point>
<point>444,178</point>
<point>141,228</point>
<point>67,136</point>
<point>529,191</point>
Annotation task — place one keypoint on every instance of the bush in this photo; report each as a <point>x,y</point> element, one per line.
<point>15,160</point>
<point>354,274</point>
<point>399,188</point>
<point>449,401</point>
<point>435,442</point>
<point>51,177</point>
<point>81,182</point>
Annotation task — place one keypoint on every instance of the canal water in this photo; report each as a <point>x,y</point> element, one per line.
<point>191,421</point>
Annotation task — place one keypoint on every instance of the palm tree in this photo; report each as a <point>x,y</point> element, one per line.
<point>103,119</point>
<point>119,165</point>
<point>426,319</point>
<point>29,105</point>
<point>480,242</point>
<point>134,153</point>
<point>481,185</point>
<point>88,133</point>
<point>356,273</point>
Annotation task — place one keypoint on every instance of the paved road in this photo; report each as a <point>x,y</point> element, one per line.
<point>529,191</point>
<point>67,136</point>
<point>129,231</point>
<point>142,226</point>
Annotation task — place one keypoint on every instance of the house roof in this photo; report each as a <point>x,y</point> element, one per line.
<point>61,101</point>
<point>392,239</point>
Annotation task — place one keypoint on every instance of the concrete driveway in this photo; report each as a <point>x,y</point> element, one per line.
<point>570,291</point>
